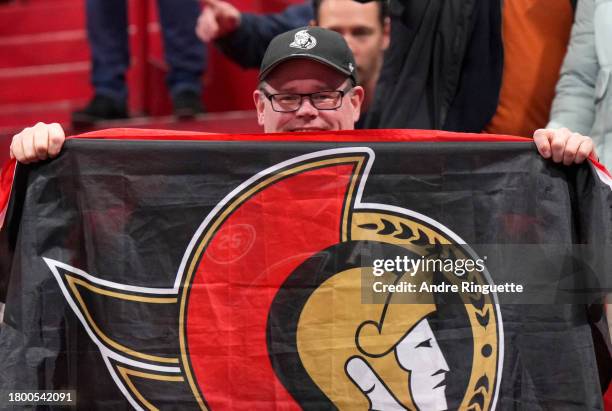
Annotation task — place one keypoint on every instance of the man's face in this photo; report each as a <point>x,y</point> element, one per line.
<point>303,76</point>
<point>360,26</point>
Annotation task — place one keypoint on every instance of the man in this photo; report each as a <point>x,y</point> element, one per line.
<point>243,37</point>
<point>365,27</point>
<point>307,83</point>
<point>281,98</point>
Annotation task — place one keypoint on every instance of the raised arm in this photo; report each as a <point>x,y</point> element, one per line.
<point>247,43</point>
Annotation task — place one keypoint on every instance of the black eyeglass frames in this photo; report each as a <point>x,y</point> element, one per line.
<point>321,100</point>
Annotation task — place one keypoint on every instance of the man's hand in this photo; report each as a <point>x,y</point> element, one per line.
<point>37,143</point>
<point>218,18</point>
<point>563,146</point>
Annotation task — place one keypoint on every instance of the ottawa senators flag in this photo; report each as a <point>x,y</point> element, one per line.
<point>370,270</point>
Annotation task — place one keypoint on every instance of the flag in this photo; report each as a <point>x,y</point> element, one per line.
<point>351,270</point>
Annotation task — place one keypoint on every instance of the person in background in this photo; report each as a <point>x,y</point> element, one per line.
<point>366,28</point>
<point>471,66</point>
<point>583,100</point>
<point>107,30</point>
<point>243,37</point>
<point>535,35</point>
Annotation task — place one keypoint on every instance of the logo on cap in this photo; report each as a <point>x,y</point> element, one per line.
<point>303,40</point>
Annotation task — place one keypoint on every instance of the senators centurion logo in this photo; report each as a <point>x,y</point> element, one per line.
<point>274,305</point>
<point>303,40</point>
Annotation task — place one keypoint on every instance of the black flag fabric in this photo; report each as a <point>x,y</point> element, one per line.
<point>387,270</point>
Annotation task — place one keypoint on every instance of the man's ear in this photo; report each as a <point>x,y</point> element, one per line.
<point>312,23</point>
<point>260,104</point>
<point>386,33</point>
<point>356,99</point>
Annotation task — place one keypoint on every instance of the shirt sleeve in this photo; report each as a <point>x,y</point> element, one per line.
<point>574,103</point>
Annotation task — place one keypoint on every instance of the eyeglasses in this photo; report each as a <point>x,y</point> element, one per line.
<point>321,100</point>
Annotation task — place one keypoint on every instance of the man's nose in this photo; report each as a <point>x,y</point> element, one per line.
<point>307,109</point>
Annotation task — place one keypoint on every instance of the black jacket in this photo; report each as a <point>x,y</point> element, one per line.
<point>443,68</point>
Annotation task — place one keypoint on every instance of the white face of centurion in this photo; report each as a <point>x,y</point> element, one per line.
<point>419,353</point>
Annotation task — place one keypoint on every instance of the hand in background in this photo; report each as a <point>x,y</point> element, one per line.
<point>218,18</point>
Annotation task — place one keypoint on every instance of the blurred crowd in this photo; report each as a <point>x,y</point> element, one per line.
<point>503,67</point>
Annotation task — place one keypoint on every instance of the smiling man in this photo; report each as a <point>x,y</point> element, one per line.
<point>308,83</point>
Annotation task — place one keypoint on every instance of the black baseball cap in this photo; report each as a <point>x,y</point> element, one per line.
<point>315,43</point>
